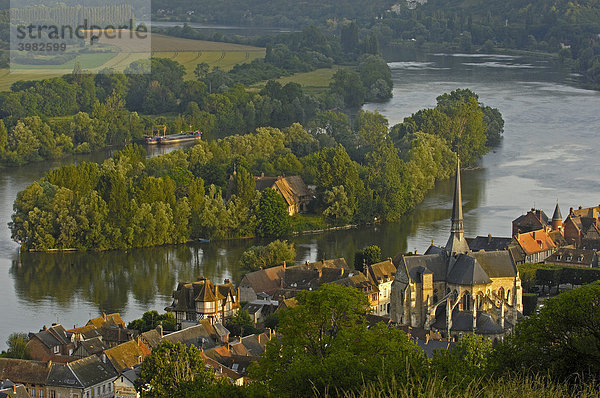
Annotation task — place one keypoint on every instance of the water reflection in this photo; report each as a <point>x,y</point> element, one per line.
<point>110,280</point>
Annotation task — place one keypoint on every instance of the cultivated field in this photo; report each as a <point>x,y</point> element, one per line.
<point>313,82</point>
<point>185,51</point>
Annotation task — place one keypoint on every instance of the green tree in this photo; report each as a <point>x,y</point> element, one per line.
<point>272,214</point>
<point>349,37</point>
<point>338,210</point>
<point>241,324</point>
<point>348,85</point>
<point>325,345</point>
<point>17,346</point>
<point>169,366</point>
<point>367,256</point>
<point>201,70</point>
<point>151,319</point>
<point>3,138</point>
<point>275,253</point>
<point>561,340</point>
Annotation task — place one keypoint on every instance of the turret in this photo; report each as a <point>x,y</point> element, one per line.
<point>557,221</point>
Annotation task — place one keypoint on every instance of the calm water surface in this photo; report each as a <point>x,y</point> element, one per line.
<point>549,153</point>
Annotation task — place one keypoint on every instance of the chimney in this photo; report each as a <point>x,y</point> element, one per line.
<point>284,264</point>
<point>44,328</point>
<point>571,210</point>
<point>580,207</point>
<point>14,388</point>
<point>50,364</point>
<point>226,281</point>
<point>416,252</point>
<point>160,330</point>
<point>341,271</point>
<point>200,278</point>
<point>270,331</point>
<point>262,174</point>
<point>259,338</point>
<point>104,315</point>
<point>489,238</point>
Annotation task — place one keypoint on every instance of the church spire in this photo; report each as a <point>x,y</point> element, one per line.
<point>457,242</point>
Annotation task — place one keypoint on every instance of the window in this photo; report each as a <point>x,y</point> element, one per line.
<point>41,393</point>
<point>56,349</point>
<point>52,394</point>
<point>33,392</point>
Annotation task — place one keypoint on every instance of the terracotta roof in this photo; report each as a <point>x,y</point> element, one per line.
<point>127,355</point>
<point>24,371</point>
<point>535,241</point>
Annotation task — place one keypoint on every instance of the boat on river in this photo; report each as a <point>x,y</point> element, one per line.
<point>180,137</point>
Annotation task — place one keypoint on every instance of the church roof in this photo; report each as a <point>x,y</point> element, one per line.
<point>419,265</point>
<point>496,264</point>
<point>467,271</point>
<point>462,321</point>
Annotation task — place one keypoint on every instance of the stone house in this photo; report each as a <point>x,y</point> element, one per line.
<point>203,299</point>
<point>574,257</point>
<point>382,275</point>
<point>359,281</point>
<point>31,374</point>
<point>85,378</point>
<point>453,290</point>
<point>294,191</point>
<point>127,355</point>
<point>533,220</point>
<point>296,277</point>
<point>124,384</point>
<point>582,227</point>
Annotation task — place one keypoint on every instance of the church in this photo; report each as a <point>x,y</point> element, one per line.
<point>454,290</point>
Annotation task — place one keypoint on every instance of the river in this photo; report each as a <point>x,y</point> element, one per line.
<point>549,153</point>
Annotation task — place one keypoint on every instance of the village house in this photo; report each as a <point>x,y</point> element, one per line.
<point>261,308</point>
<point>50,343</point>
<point>382,275</point>
<point>32,374</point>
<point>204,335</point>
<point>203,299</point>
<point>537,245</point>
<point>86,378</point>
<point>110,328</point>
<point>574,257</point>
<point>125,384</point>
<point>582,228</point>
<point>533,220</point>
<point>295,277</point>
<point>359,281</point>
<point>127,355</point>
<point>453,290</point>
<point>293,190</point>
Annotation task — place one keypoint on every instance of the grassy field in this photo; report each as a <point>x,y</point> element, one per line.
<point>314,82</point>
<point>186,51</point>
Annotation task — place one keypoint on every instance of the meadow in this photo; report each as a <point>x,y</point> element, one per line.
<point>185,51</point>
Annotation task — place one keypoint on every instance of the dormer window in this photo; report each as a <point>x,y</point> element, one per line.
<point>56,349</point>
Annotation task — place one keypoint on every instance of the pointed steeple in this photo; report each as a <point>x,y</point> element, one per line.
<point>557,223</point>
<point>457,242</point>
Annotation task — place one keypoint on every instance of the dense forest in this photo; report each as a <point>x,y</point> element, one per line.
<point>569,29</point>
<point>83,112</point>
<point>361,172</point>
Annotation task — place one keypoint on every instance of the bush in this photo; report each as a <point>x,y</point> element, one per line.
<point>529,303</point>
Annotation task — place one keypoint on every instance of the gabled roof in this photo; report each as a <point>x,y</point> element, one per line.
<point>151,338</point>
<point>535,241</point>
<point>255,343</point>
<point>572,256</point>
<point>61,375</point>
<point>19,392</point>
<point>87,331</point>
<point>591,212</point>
<point>107,320</point>
<point>467,271</point>
<point>497,264</point>
<point>127,355</point>
<point>53,336</point>
<point>201,335</point>
<point>94,345</point>
<point>91,371</point>
<point>417,265</point>
<point>289,187</point>
<point>24,371</point>
<point>382,271</point>
<point>359,281</point>
<point>203,290</point>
